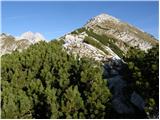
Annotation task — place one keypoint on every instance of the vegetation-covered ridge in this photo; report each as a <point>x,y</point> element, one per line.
<point>102,39</point>
<point>90,40</point>
<point>106,40</point>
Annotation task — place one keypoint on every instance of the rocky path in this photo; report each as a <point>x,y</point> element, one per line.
<point>126,104</point>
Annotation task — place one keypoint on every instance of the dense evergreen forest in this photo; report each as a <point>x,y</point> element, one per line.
<point>45,82</point>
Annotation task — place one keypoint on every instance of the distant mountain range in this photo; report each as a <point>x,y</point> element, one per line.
<point>9,43</point>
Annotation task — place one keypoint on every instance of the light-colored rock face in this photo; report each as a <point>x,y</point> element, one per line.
<point>108,25</point>
<point>32,37</point>
<point>8,43</point>
<point>102,18</point>
<point>75,44</point>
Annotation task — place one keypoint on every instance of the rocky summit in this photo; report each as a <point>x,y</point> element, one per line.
<point>32,37</point>
<point>123,32</point>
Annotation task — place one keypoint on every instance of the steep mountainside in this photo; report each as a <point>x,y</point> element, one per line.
<point>110,26</point>
<point>105,37</point>
<point>9,43</point>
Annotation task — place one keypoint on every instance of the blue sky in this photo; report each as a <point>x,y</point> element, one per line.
<point>54,19</point>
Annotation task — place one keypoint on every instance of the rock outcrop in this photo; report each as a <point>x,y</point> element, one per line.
<point>127,103</point>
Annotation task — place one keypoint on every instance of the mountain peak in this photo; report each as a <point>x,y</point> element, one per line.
<point>32,37</point>
<point>102,18</point>
<point>108,25</point>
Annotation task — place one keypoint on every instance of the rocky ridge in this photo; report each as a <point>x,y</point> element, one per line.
<point>119,37</point>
